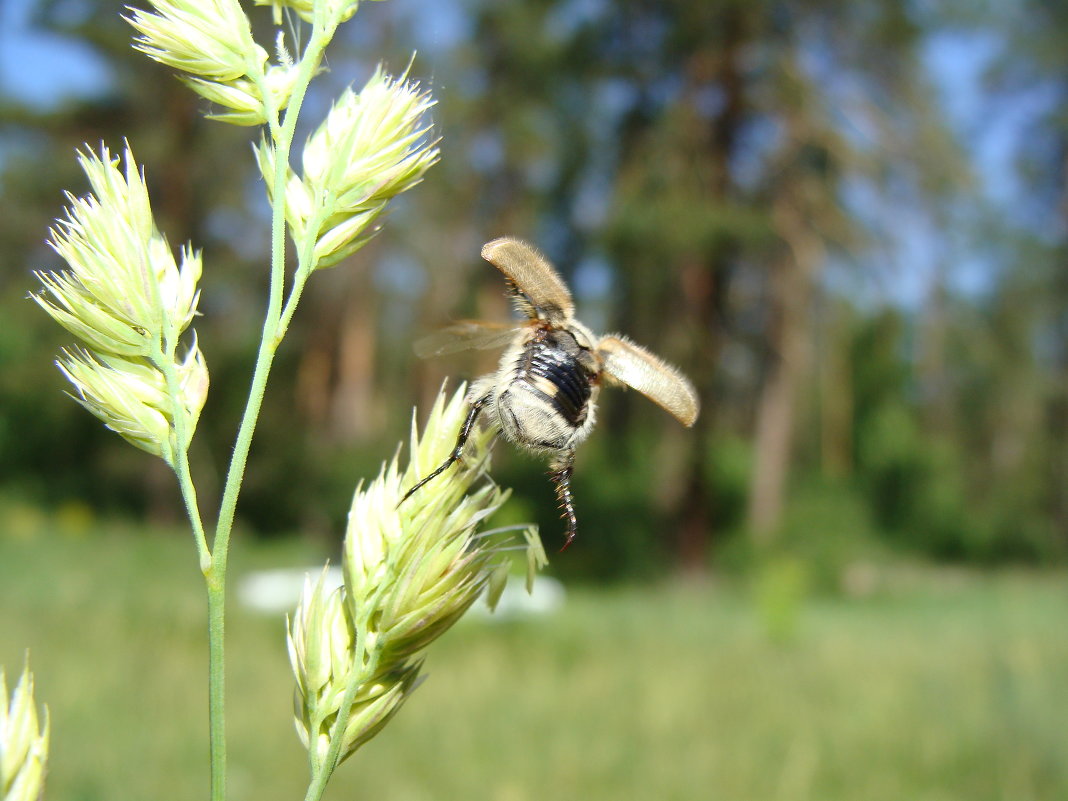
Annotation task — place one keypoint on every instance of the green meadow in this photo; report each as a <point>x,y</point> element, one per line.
<point>937,685</point>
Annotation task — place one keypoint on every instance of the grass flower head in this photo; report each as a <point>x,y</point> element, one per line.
<point>210,42</point>
<point>209,39</point>
<point>411,570</point>
<point>129,301</point>
<point>23,742</point>
<point>124,291</point>
<point>339,10</point>
<point>372,146</point>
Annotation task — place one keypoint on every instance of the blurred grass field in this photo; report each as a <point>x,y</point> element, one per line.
<point>939,686</point>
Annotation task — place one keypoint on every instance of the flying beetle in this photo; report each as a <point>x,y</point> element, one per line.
<point>543,395</point>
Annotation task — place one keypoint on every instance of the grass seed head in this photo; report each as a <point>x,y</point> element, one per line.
<point>124,289</point>
<point>210,42</point>
<point>23,742</point>
<point>209,39</point>
<point>128,300</point>
<point>372,146</point>
<point>339,10</point>
<point>411,570</point>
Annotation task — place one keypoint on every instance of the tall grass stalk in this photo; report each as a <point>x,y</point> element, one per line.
<point>410,572</point>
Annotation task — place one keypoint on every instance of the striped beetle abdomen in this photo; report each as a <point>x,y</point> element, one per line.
<point>545,401</point>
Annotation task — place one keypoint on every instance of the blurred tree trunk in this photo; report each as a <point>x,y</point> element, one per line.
<point>705,279</point>
<point>336,369</point>
<point>352,413</point>
<point>789,339</point>
<point>1058,402</point>
<point>836,390</point>
<point>697,503</point>
<point>1035,56</point>
<point>937,401</point>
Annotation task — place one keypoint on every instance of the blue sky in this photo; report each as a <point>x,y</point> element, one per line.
<point>41,69</point>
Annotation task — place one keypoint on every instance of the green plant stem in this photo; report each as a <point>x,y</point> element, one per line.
<point>215,572</point>
<point>163,358</point>
<point>216,586</point>
<point>283,140</point>
<point>192,508</point>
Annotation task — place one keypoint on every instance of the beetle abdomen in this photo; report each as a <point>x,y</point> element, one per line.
<point>545,400</point>
<point>561,379</point>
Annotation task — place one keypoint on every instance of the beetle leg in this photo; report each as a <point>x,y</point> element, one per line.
<point>457,452</point>
<point>561,477</point>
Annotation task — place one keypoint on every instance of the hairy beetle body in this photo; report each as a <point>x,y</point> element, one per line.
<point>543,395</point>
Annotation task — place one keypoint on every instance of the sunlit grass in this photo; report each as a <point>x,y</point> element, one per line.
<point>941,686</point>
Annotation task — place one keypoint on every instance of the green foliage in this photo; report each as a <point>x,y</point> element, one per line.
<point>729,468</point>
<point>780,590</point>
<point>944,680</point>
<point>920,498</point>
<point>829,528</point>
<point>826,538</point>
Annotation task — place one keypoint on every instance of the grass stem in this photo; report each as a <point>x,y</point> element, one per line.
<point>282,137</point>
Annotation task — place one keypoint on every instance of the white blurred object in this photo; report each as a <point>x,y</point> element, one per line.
<point>545,597</point>
<point>277,591</point>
